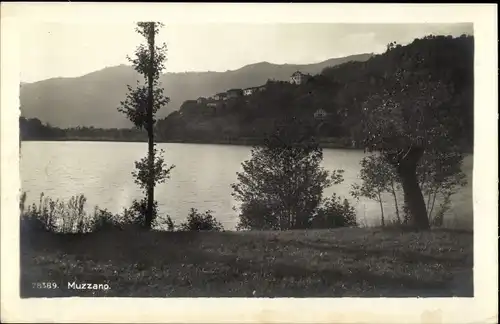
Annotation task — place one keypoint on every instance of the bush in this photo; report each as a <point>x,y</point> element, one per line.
<point>256,215</point>
<point>33,219</point>
<point>282,183</point>
<point>135,216</point>
<point>105,220</point>
<point>201,222</point>
<point>334,213</point>
<point>70,217</point>
<point>56,216</point>
<point>164,222</point>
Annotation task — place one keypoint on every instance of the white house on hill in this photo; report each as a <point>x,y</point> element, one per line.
<point>299,77</point>
<point>320,114</point>
<point>220,96</point>
<point>249,91</point>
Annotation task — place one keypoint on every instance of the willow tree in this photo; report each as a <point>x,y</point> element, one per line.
<point>409,112</point>
<point>140,107</point>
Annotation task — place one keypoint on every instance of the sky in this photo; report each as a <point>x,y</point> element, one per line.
<point>57,49</point>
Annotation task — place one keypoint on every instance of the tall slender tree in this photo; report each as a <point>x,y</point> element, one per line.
<point>140,107</point>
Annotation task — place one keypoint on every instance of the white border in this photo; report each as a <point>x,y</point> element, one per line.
<point>482,308</point>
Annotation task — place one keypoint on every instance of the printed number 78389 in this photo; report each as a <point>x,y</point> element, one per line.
<point>44,285</point>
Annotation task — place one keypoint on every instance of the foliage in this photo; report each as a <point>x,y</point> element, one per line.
<point>148,59</point>
<point>135,216</point>
<point>406,114</point>
<point>409,111</point>
<point>378,177</point>
<point>34,129</point>
<point>164,222</point>
<point>440,176</point>
<point>105,221</point>
<point>135,105</point>
<point>140,107</point>
<point>282,183</point>
<point>71,216</point>
<point>161,172</point>
<point>57,216</point>
<point>334,213</point>
<point>35,219</point>
<point>136,213</point>
<point>197,221</point>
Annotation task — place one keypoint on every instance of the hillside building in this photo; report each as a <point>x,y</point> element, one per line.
<point>234,93</point>
<point>299,78</point>
<point>320,114</point>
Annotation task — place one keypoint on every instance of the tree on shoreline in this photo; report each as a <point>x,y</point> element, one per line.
<point>281,186</point>
<point>377,177</point>
<point>439,176</point>
<point>411,111</point>
<point>140,107</point>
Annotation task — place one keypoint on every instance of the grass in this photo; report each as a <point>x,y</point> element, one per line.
<point>349,262</point>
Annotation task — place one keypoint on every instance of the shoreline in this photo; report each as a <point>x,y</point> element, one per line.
<point>249,142</point>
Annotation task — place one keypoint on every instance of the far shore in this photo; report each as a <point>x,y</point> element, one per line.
<point>239,142</point>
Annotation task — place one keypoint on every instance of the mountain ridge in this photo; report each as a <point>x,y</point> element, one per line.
<point>92,99</point>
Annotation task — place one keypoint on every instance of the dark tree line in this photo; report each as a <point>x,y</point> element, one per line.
<point>34,129</point>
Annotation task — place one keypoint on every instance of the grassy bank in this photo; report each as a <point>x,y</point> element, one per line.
<point>314,263</point>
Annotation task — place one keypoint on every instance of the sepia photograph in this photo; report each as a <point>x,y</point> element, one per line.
<point>273,160</point>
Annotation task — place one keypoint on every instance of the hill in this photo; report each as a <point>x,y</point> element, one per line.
<point>92,99</point>
<point>336,93</point>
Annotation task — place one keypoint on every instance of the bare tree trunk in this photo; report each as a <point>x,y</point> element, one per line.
<point>414,200</point>
<point>151,182</point>
<point>395,202</point>
<point>382,220</point>
<point>433,202</point>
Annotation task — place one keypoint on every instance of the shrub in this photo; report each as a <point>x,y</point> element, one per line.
<point>201,222</point>
<point>282,183</point>
<point>256,215</point>
<point>57,216</point>
<point>70,216</point>
<point>135,215</point>
<point>104,220</point>
<point>37,218</point>
<point>73,215</point>
<point>334,213</point>
<point>164,222</point>
<point>34,219</point>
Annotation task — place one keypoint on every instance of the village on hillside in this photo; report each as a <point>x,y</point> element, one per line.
<point>296,78</point>
<point>213,101</point>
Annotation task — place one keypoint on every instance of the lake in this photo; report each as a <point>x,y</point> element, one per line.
<point>201,179</point>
